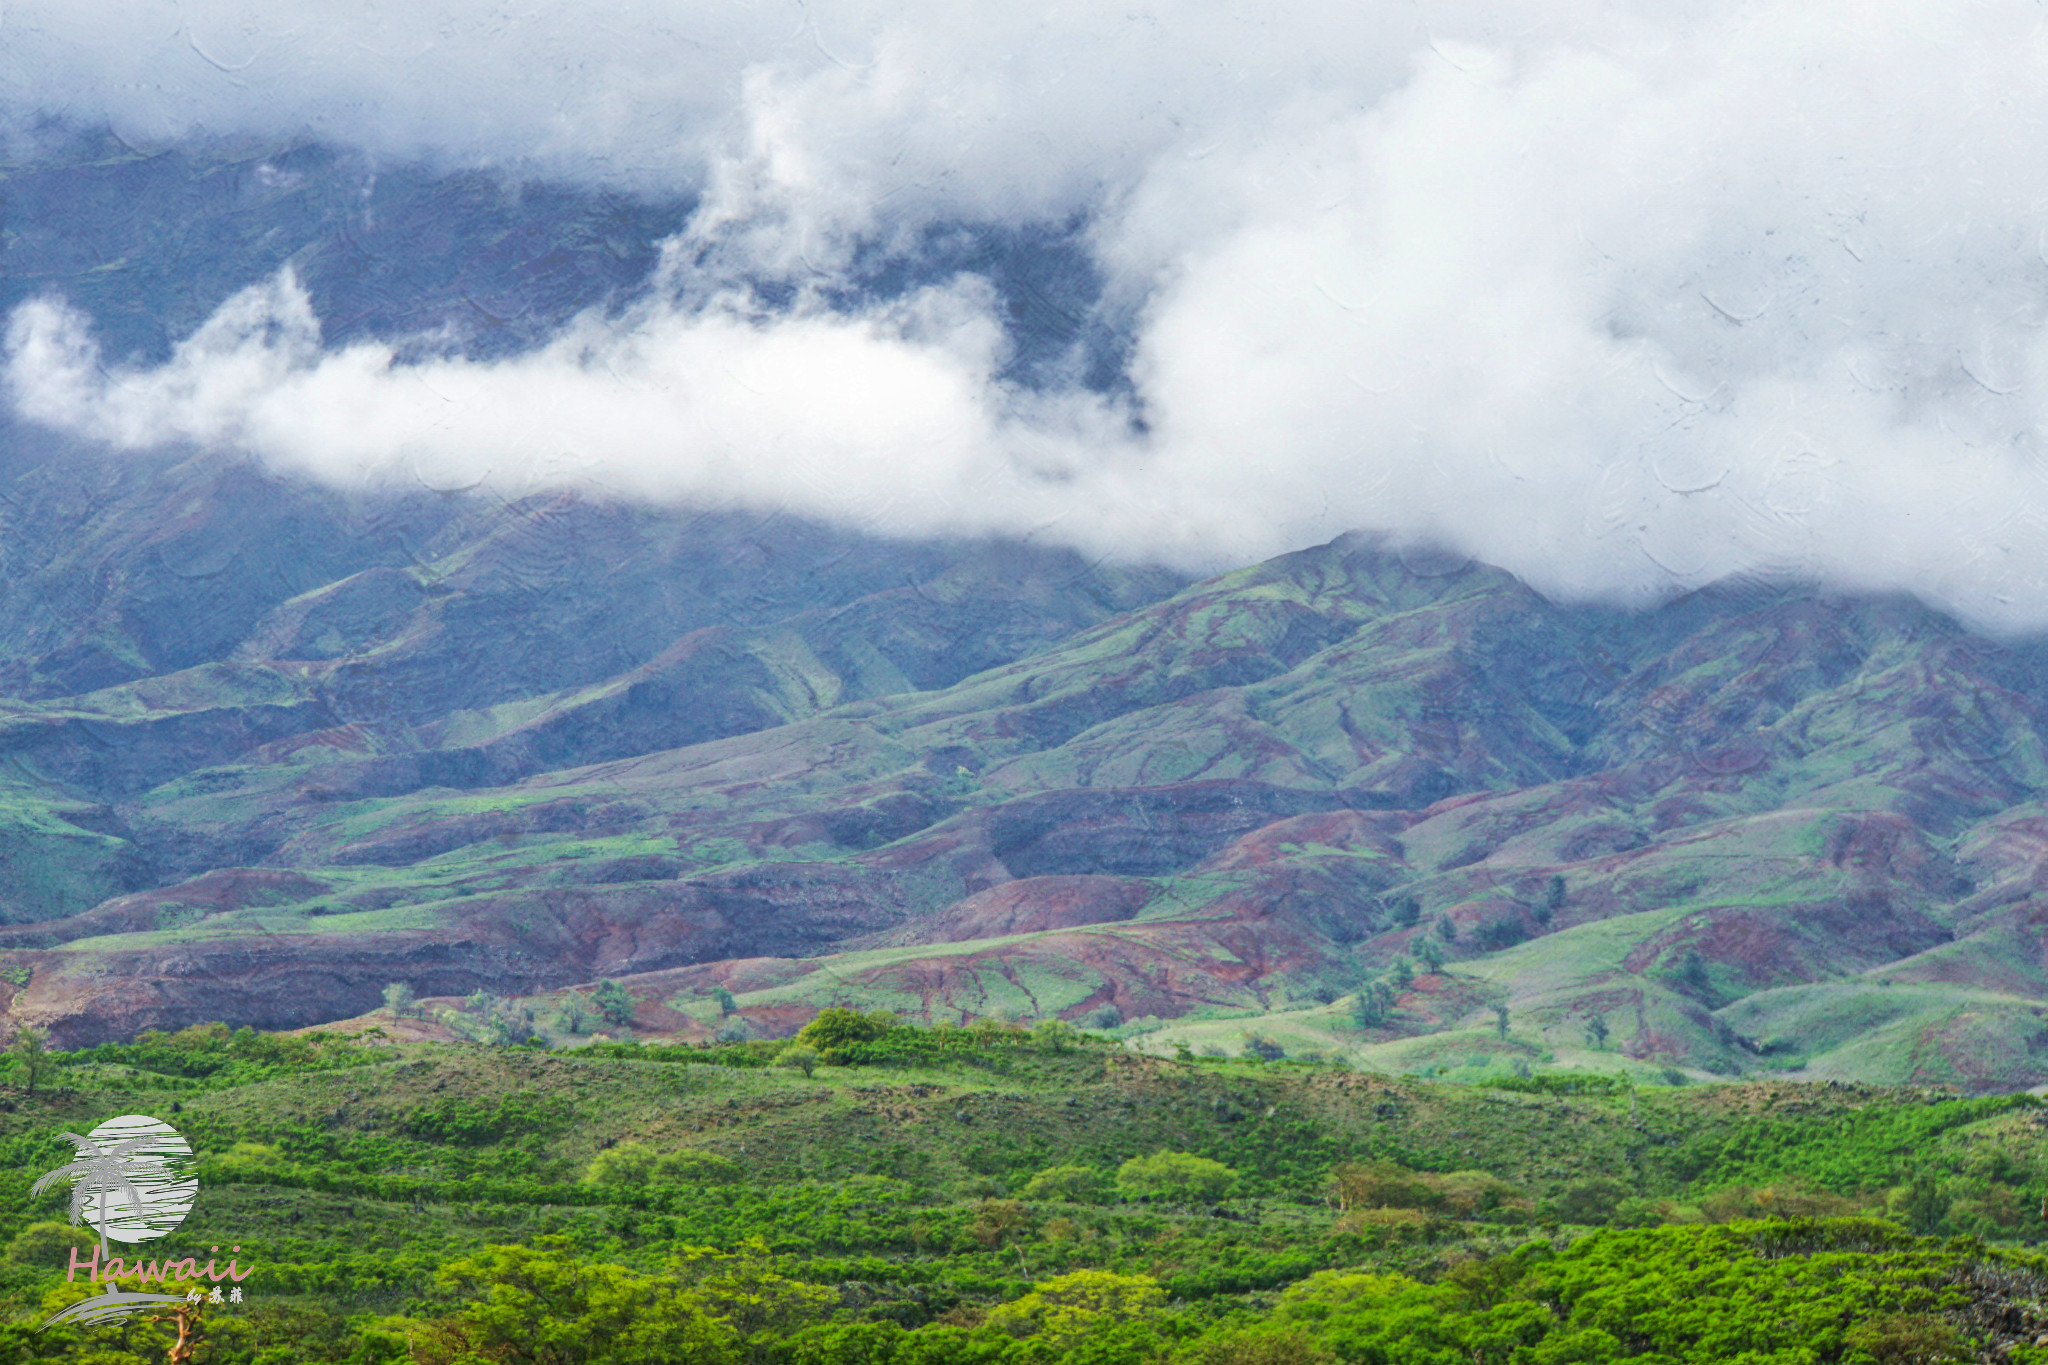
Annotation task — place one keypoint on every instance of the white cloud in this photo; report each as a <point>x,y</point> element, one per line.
<point>1620,302</point>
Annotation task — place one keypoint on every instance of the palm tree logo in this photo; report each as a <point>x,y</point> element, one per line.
<point>129,1181</point>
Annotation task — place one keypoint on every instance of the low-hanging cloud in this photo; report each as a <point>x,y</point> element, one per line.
<point>1622,303</point>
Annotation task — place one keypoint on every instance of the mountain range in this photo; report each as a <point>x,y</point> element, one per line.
<point>267,746</point>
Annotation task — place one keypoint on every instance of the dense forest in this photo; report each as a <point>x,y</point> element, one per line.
<point>878,1194</point>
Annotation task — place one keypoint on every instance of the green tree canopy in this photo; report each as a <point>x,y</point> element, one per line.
<point>615,1003</point>
<point>837,1027</point>
<point>1069,1184</point>
<point>1178,1176</point>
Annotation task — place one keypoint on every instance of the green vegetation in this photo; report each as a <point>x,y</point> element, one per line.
<point>997,1195</point>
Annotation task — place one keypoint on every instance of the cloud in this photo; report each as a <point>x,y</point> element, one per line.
<point>1623,301</point>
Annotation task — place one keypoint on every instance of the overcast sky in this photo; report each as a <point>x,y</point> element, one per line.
<point>1620,299</point>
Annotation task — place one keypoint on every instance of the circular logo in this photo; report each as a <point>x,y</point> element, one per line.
<point>130,1179</point>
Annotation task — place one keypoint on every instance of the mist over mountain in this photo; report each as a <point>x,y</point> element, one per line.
<point>1060,584</point>
<point>270,746</point>
<point>1624,300</point>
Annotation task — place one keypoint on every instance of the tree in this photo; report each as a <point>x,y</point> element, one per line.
<point>1382,1185</point>
<point>1403,974</point>
<point>1500,1016</point>
<point>1056,1034</point>
<point>399,999</point>
<point>798,1057</point>
<point>32,1049</point>
<point>698,1168</point>
<point>1431,954</point>
<point>996,1219</point>
<point>506,1026</point>
<point>185,1318</point>
<point>1597,1031</point>
<point>39,1243</point>
<point>746,1293</point>
<point>575,1018</point>
<point>726,1003</point>
<point>1264,1048</point>
<point>1066,1184</point>
<point>1591,1201</point>
<point>1907,1339</point>
<point>1373,1006</point>
<point>835,1027</point>
<point>1259,1346</point>
<point>544,1303</point>
<point>1690,972</point>
<point>615,1003</point>
<point>1447,928</point>
<point>1920,1205</point>
<point>1180,1176</point>
<point>1079,1305</point>
<point>625,1163</point>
